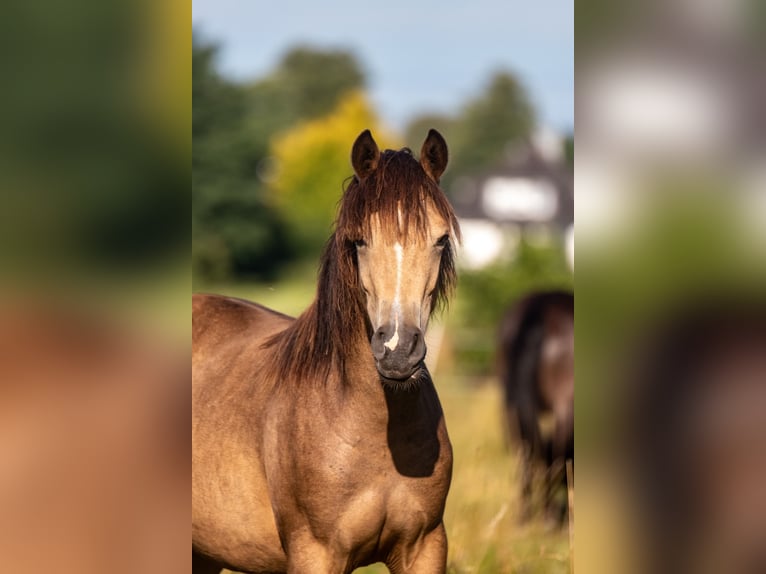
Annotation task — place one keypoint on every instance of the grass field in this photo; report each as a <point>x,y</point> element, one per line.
<point>482,516</point>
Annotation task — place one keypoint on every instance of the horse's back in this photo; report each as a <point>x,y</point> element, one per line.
<point>537,332</point>
<point>216,317</point>
<point>230,350</point>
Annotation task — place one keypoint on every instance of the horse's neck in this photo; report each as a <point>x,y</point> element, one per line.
<point>355,400</point>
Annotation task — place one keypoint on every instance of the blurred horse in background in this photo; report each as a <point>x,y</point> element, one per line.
<point>536,369</point>
<point>319,443</point>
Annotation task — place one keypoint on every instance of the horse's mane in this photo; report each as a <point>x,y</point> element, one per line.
<point>323,336</point>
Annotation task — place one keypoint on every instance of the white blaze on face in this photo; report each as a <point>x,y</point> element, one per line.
<point>396,307</point>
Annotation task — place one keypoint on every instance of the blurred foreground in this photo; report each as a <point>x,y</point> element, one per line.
<point>94,471</point>
<point>671,209</point>
<point>94,361</point>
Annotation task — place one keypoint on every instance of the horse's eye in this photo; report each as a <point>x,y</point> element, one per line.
<point>360,243</point>
<point>443,240</point>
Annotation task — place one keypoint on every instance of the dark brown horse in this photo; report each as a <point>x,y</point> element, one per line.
<point>319,443</point>
<point>536,364</point>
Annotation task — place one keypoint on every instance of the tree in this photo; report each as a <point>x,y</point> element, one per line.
<point>312,164</point>
<point>306,84</point>
<point>488,125</point>
<point>487,293</point>
<point>234,229</point>
<point>417,129</point>
<point>569,150</point>
<point>499,118</point>
<point>237,231</point>
<point>314,80</point>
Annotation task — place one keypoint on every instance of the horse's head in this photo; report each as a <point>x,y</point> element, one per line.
<point>401,229</point>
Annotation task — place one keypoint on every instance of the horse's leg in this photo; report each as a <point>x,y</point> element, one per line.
<point>556,503</point>
<point>431,557</point>
<point>563,434</point>
<point>526,374</point>
<point>203,565</point>
<point>527,481</point>
<point>513,426</point>
<point>556,499</point>
<point>531,452</point>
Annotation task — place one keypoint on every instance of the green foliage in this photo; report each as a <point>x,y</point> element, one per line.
<point>500,117</point>
<point>416,131</point>
<point>90,180</point>
<point>313,162</point>
<point>569,151</point>
<point>312,80</point>
<point>484,296</point>
<point>237,231</point>
<point>306,85</point>
<point>489,563</point>
<point>489,291</point>
<point>234,229</point>
<point>487,126</point>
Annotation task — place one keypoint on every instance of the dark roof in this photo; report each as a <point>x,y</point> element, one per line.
<point>524,163</point>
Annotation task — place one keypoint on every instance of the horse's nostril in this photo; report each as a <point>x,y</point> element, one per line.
<point>416,343</point>
<point>378,341</point>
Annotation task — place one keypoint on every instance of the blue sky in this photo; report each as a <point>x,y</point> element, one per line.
<point>419,55</point>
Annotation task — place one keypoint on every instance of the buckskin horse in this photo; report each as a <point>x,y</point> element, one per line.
<point>536,367</point>
<point>319,443</point>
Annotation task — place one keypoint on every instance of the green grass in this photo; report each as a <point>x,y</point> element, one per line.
<point>483,508</point>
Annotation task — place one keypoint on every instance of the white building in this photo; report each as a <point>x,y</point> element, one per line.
<point>531,193</point>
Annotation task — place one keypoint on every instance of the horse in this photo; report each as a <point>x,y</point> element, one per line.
<point>536,370</point>
<point>319,443</point>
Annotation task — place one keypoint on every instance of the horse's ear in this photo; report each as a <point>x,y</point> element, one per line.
<point>364,155</point>
<point>433,155</point>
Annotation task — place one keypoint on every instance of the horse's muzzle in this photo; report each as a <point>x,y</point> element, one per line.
<point>398,354</point>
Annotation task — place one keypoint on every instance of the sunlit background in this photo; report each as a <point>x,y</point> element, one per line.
<point>280,92</point>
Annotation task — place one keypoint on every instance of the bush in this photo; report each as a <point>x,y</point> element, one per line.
<point>485,295</point>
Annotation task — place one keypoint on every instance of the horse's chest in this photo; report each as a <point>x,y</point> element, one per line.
<point>386,514</point>
<point>412,507</point>
<point>361,486</point>
<point>352,496</point>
